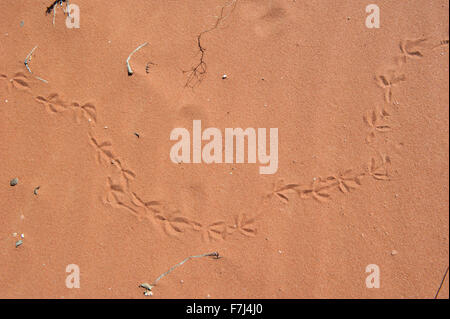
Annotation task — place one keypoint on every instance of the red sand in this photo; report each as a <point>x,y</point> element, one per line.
<point>309,69</point>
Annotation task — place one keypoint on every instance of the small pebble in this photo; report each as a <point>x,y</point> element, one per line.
<point>14,234</point>
<point>14,182</point>
<point>22,236</point>
<point>224,77</point>
<point>394,252</point>
<point>137,134</point>
<point>18,243</point>
<point>36,190</point>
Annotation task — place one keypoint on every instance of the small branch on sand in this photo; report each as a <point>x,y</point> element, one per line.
<point>27,61</point>
<point>41,79</point>
<point>197,72</point>
<point>130,71</point>
<point>442,282</point>
<point>148,287</point>
<point>53,6</point>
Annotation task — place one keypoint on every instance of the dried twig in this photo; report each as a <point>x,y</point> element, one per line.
<point>130,71</point>
<point>442,282</point>
<point>197,72</point>
<point>149,287</point>
<point>54,4</point>
<point>27,61</point>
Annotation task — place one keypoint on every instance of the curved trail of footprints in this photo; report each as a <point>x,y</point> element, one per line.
<point>378,122</point>
<point>119,193</point>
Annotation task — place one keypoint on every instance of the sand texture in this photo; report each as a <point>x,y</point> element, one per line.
<point>363,148</point>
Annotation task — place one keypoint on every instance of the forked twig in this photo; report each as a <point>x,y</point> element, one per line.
<point>130,71</point>
<point>28,58</point>
<point>197,72</point>
<point>27,61</point>
<point>53,6</point>
<point>149,287</point>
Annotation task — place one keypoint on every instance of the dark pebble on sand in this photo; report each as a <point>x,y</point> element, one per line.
<point>14,182</point>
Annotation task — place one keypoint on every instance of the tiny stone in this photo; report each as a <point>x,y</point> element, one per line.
<point>14,182</point>
<point>224,77</point>
<point>22,236</point>
<point>137,134</point>
<point>394,252</point>
<point>14,234</point>
<point>182,281</point>
<point>36,190</point>
<point>18,243</point>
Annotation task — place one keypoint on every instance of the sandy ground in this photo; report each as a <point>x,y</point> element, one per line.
<point>363,176</point>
